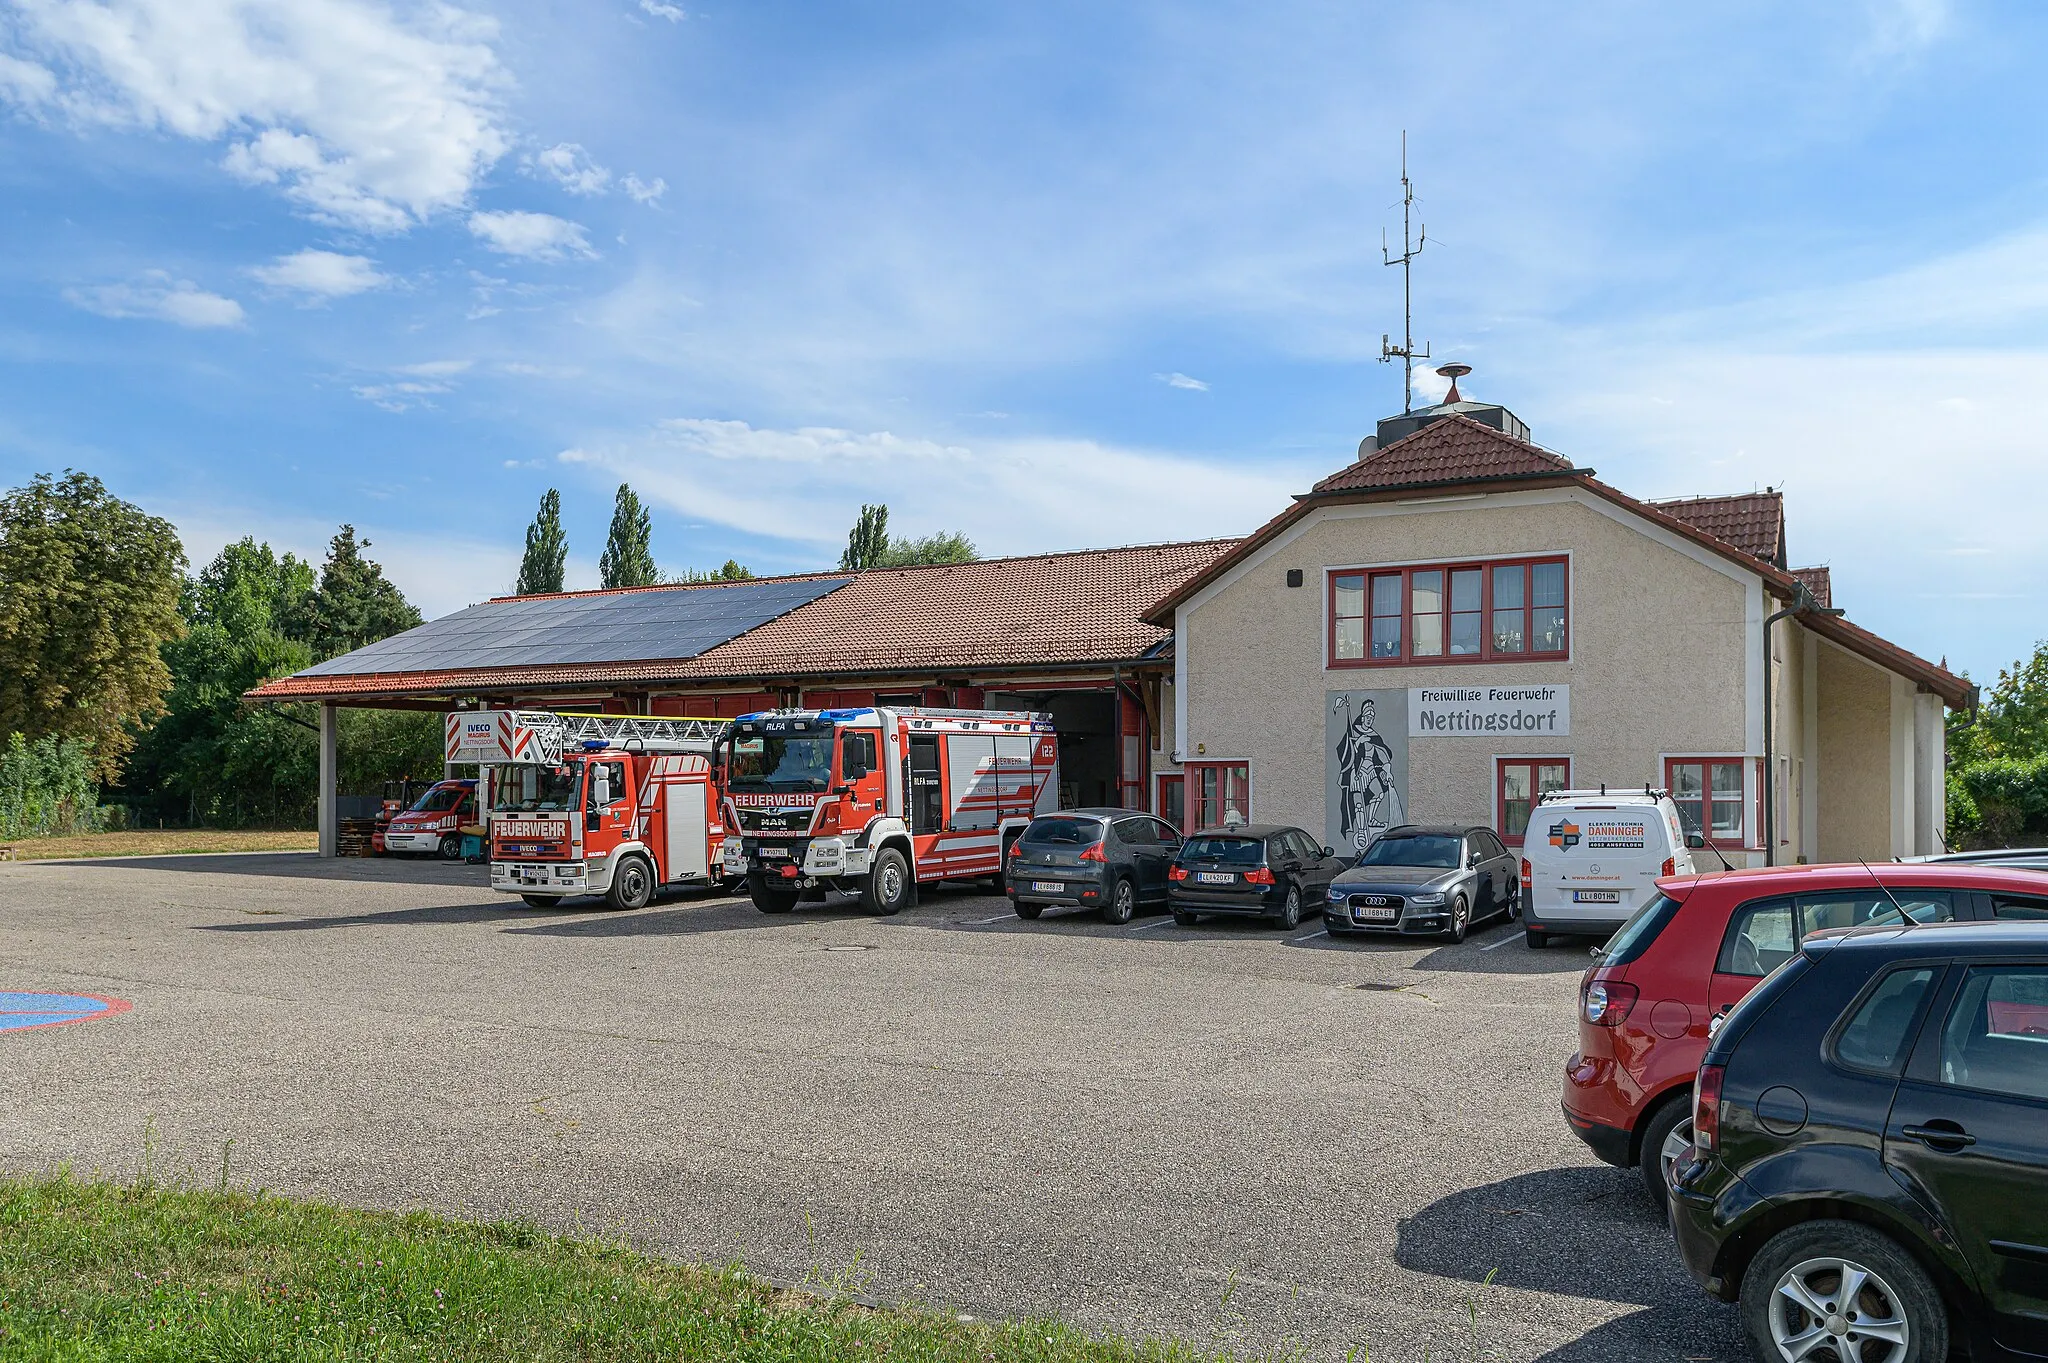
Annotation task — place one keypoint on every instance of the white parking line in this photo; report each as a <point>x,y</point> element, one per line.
<point>1496,946</point>
<point>1319,932</point>
<point>1156,923</point>
<point>999,918</point>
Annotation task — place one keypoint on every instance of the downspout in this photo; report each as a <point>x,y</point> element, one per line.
<point>1803,603</point>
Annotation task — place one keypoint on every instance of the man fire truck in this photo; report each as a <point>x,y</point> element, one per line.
<point>617,805</point>
<point>879,801</point>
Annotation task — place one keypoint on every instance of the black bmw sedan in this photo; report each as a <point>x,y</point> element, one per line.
<point>1422,878</point>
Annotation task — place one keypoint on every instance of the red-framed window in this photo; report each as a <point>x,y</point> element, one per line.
<point>1215,789</point>
<point>1714,796</point>
<point>1518,783</point>
<point>1491,611</point>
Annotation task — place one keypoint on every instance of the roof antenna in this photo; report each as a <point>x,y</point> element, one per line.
<point>1406,351</point>
<point>1906,920</point>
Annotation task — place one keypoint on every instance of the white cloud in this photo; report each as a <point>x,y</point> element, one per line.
<point>1009,496</point>
<point>644,191</point>
<point>324,274</point>
<point>569,166</point>
<point>1179,380</point>
<point>25,82</point>
<point>532,236</point>
<point>365,115</point>
<point>1430,386</point>
<point>661,9</point>
<point>433,369</point>
<point>402,396</point>
<point>156,295</point>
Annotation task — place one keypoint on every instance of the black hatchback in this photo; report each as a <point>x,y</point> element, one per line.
<point>1256,871</point>
<point>1109,859</point>
<point>1869,1168</point>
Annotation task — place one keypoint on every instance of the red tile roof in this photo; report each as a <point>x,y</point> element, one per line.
<point>1453,450</point>
<point>1753,522</point>
<point>1044,610</point>
<point>1820,582</point>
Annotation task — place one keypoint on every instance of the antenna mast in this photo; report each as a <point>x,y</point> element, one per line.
<point>1406,350</point>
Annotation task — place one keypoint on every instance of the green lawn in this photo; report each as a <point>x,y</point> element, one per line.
<point>92,1271</point>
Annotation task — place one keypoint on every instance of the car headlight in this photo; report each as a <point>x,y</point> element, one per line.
<point>1431,900</point>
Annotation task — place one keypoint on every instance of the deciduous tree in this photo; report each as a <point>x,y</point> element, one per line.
<point>547,549</point>
<point>628,559</point>
<point>89,590</point>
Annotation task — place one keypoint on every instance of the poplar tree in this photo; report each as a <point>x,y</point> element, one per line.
<point>867,544</point>
<point>547,549</point>
<point>628,559</point>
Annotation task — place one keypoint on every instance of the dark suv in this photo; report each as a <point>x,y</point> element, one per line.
<point>1869,1169</point>
<point>1114,860</point>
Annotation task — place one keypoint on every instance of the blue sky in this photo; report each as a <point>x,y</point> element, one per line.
<point>1056,275</point>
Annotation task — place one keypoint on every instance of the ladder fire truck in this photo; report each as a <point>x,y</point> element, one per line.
<point>617,805</point>
<point>879,801</point>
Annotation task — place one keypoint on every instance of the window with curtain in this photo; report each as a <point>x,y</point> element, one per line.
<point>1510,610</point>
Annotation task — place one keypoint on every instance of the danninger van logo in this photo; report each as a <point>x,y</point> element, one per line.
<point>1564,836</point>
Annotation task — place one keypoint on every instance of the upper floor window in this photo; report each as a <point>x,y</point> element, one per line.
<point>1502,611</point>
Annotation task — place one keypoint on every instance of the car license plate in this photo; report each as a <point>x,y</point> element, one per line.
<point>1596,896</point>
<point>1376,913</point>
<point>1047,887</point>
<point>1215,878</point>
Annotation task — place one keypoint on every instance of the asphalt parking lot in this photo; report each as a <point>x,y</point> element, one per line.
<point>1243,1137</point>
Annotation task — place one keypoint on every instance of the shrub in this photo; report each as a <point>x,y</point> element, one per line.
<point>47,788</point>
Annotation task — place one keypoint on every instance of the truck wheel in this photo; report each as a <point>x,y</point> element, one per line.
<point>769,900</point>
<point>1001,879</point>
<point>540,901</point>
<point>1535,938</point>
<point>888,886</point>
<point>632,884</point>
<point>451,847</point>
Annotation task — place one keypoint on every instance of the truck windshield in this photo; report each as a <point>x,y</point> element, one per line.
<point>439,801</point>
<point>769,763</point>
<point>531,789</point>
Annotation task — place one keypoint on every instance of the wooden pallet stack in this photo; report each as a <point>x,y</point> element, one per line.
<point>354,839</point>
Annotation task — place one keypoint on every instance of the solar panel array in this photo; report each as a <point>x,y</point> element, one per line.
<point>546,631</point>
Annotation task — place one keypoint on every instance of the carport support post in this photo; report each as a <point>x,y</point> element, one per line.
<point>330,822</point>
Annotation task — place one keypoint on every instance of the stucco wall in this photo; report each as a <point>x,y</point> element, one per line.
<point>1854,741</point>
<point>1657,655</point>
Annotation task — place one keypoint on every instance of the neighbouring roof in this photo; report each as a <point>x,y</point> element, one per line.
<point>1753,522</point>
<point>1080,608</point>
<point>1820,582</point>
<point>1458,452</point>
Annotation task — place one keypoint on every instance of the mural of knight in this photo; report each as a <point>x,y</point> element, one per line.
<point>1367,765</point>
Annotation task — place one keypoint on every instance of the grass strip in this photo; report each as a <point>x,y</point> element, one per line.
<point>153,842</point>
<point>95,1270</point>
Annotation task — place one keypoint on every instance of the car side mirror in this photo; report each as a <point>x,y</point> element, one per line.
<point>601,793</point>
<point>1694,842</point>
<point>1329,851</point>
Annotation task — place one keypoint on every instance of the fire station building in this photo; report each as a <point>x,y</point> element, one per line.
<point>1439,631</point>
<point>1460,620</point>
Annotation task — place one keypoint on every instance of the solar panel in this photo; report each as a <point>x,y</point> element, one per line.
<point>551,631</point>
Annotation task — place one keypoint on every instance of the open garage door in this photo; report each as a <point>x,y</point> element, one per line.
<point>1089,742</point>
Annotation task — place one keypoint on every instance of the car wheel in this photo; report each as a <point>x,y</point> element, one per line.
<point>1665,1137</point>
<point>1123,902</point>
<point>1185,918</point>
<point>540,901</point>
<point>769,900</point>
<point>451,847</point>
<point>1535,938</point>
<point>1514,901</point>
<point>1837,1278</point>
<point>887,891</point>
<point>1029,910</point>
<point>1289,917</point>
<point>632,884</point>
<point>1460,912</point>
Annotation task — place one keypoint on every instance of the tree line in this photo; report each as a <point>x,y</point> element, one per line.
<point>628,557</point>
<point>1998,761</point>
<point>122,673</point>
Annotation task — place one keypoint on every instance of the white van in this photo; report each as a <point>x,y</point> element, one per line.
<point>1591,858</point>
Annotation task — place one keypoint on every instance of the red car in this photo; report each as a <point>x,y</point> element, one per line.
<point>1648,1001</point>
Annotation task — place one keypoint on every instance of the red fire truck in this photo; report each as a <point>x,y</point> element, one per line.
<point>617,805</point>
<point>879,801</point>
